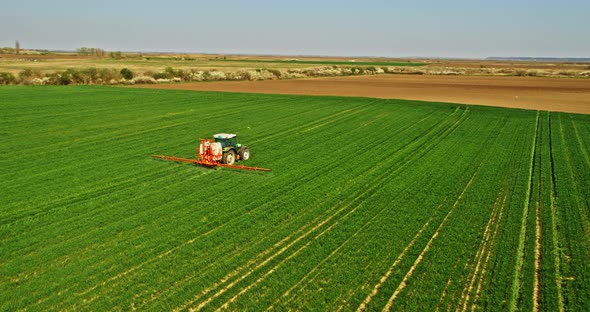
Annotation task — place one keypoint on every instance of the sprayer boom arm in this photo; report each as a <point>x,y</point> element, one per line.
<point>210,164</point>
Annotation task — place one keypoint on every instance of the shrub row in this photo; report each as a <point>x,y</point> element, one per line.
<point>126,76</point>
<point>69,76</point>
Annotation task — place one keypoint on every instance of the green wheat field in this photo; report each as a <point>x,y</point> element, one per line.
<point>371,204</point>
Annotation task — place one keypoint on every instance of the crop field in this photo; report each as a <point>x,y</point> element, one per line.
<point>13,63</point>
<point>324,62</point>
<point>372,204</point>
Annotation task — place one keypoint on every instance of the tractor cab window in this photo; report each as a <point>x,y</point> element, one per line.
<point>222,141</point>
<point>227,142</point>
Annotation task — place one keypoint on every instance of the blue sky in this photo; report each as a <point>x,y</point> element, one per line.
<point>348,28</point>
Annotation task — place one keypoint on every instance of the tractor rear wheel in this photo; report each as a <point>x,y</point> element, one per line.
<point>244,153</point>
<point>229,157</point>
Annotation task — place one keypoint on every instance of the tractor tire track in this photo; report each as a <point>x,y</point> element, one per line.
<point>323,222</point>
<point>171,250</point>
<point>489,254</point>
<point>159,256</point>
<point>380,180</point>
<point>537,242</point>
<point>333,117</point>
<point>478,256</point>
<point>447,285</point>
<point>260,255</point>
<point>537,277</point>
<point>484,248</point>
<point>283,298</point>
<point>555,238</point>
<point>446,132</point>
<point>259,280</point>
<point>268,273</point>
<point>583,214</point>
<point>583,148</point>
<point>122,132</point>
<point>365,303</point>
<point>523,226</point>
<point>404,281</point>
<point>366,224</point>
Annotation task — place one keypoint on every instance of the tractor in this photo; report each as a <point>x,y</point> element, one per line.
<point>221,151</point>
<point>232,150</point>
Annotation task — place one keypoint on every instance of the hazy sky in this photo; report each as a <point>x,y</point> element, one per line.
<point>349,28</point>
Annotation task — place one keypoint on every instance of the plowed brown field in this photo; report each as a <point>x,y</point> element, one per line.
<point>552,94</point>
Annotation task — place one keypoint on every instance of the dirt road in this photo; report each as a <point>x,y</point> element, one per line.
<point>552,94</point>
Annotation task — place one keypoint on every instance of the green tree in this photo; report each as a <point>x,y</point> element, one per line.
<point>64,78</point>
<point>7,78</point>
<point>126,73</point>
<point>90,73</point>
<point>116,55</point>
<point>25,73</point>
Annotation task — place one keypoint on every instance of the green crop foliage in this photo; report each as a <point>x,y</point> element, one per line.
<point>371,204</point>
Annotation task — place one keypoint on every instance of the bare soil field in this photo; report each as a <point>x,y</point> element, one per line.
<point>552,94</point>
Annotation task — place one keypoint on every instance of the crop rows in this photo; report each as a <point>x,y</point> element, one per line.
<point>371,204</point>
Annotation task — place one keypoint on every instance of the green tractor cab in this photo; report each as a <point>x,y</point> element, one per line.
<point>232,150</point>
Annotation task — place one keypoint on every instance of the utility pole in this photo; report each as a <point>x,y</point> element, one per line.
<point>17,47</point>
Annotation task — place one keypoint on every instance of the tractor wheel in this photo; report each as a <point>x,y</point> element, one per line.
<point>244,153</point>
<point>229,157</point>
